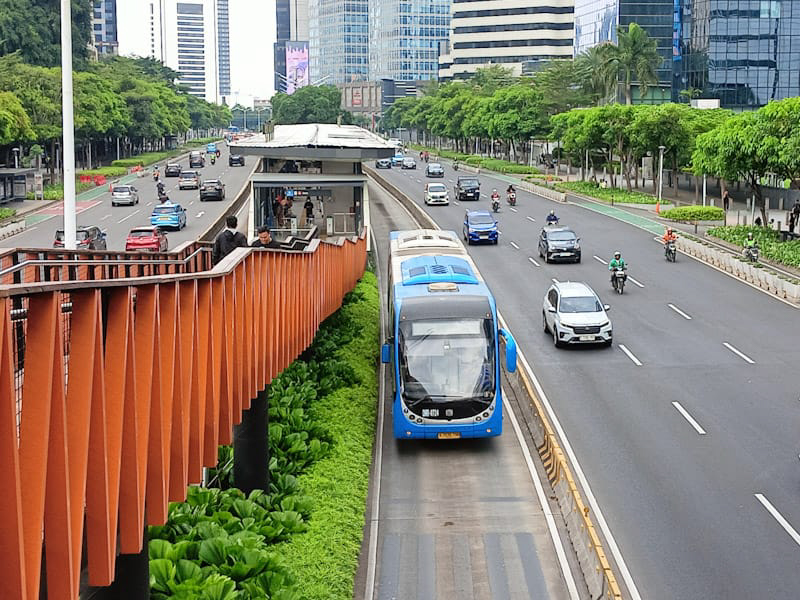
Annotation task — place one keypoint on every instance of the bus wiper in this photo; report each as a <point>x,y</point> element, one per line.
<point>428,397</point>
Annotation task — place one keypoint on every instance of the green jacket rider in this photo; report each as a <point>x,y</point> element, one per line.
<point>617,262</point>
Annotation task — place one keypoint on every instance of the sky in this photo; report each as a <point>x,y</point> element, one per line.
<point>252,29</point>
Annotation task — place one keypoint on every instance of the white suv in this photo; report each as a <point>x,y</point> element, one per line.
<point>436,193</point>
<point>573,313</point>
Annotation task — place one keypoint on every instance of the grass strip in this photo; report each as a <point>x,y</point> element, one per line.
<point>606,194</point>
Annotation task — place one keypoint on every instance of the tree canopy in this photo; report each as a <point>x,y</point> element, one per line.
<point>309,104</point>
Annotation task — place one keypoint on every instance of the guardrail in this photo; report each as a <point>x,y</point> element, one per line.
<point>597,571</point>
<point>543,191</point>
<point>159,370</point>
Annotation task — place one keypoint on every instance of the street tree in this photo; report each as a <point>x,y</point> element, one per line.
<point>635,57</point>
<point>15,124</point>
<point>309,104</point>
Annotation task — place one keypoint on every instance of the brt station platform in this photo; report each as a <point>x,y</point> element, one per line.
<point>320,163</point>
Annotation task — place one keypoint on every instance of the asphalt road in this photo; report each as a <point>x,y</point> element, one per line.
<point>119,220</point>
<point>456,520</point>
<point>689,440</point>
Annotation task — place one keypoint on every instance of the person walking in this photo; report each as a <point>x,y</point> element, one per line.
<point>265,239</point>
<point>726,200</point>
<point>796,214</point>
<point>227,240</point>
<point>309,208</point>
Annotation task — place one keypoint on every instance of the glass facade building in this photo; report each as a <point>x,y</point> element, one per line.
<point>104,27</point>
<point>223,48</point>
<point>742,52</point>
<point>338,34</point>
<point>404,38</point>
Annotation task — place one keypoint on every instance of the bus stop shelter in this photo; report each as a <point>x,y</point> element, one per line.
<point>13,184</point>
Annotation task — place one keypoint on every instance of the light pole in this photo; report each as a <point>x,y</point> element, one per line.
<point>660,171</point>
<point>68,127</point>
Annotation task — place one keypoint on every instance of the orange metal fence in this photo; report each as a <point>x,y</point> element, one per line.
<point>159,370</point>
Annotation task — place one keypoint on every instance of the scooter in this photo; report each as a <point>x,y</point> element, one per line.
<point>751,254</point>
<point>670,252</point>
<point>618,277</point>
<point>496,204</point>
<point>512,198</point>
<point>213,158</point>
<point>455,166</point>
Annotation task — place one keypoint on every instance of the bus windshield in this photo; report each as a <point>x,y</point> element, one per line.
<point>447,360</point>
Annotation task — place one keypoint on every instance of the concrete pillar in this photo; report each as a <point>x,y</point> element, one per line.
<point>251,447</point>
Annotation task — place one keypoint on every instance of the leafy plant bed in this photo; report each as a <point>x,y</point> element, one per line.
<point>786,253</point>
<point>605,194</point>
<point>301,540</point>
<point>149,158</point>
<point>694,213</point>
<point>492,164</point>
<point>6,213</point>
<point>56,191</point>
<point>105,171</point>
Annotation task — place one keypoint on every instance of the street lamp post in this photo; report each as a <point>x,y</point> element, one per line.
<point>70,242</point>
<point>660,171</point>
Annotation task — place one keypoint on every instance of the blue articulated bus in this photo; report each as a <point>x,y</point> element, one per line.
<point>444,342</point>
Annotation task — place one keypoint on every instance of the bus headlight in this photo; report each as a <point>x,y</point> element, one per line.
<point>486,415</point>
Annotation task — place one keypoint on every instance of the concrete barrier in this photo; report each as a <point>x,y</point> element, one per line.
<point>586,542</point>
<point>543,191</point>
<point>12,228</point>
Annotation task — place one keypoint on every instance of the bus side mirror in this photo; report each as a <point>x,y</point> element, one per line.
<point>511,351</point>
<point>385,353</point>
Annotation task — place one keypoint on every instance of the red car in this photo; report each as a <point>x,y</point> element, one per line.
<point>148,239</point>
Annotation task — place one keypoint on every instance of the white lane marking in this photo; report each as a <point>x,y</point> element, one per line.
<point>512,208</point>
<point>456,202</point>
<point>635,282</point>
<point>689,418</point>
<point>514,245</point>
<point>573,459</point>
<point>128,217</point>
<point>101,218</point>
<point>419,180</point>
<point>533,260</point>
<point>149,203</point>
<point>740,354</point>
<point>548,514</point>
<point>31,228</point>
<point>483,195</point>
<point>200,214</point>
<point>779,518</point>
<point>680,312</point>
<point>554,280</point>
<point>600,260</point>
<point>630,354</point>
<point>499,232</point>
<point>531,219</point>
<point>191,202</point>
<point>451,181</point>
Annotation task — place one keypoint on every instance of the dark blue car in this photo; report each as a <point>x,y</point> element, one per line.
<point>480,226</point>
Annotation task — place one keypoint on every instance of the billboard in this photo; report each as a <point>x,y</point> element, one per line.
<point>296,65</point>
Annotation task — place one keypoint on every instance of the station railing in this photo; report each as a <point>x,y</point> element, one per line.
<point>119,381</point>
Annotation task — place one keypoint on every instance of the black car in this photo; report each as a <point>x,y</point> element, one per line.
<point>212,189</point>
<point>172,170</point>
<point>559,243</point>
<point>235,160</point>
<point>87,238</point>
<point>383,163</point>
<point>434,170</point>
<point>196,160</point>
<point>468,188</point>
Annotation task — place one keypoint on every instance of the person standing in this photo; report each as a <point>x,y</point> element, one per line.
<point>726,200</point>
<point>309,208</point>
<point>227,240</point>
<point>265,239</point>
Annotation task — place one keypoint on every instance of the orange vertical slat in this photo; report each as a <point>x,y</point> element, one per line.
<point>226,363</point>
<point>188,373</point>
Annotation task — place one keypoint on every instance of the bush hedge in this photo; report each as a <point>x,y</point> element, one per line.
<point>492,164</point>
<point>5,213</point>
<point>694,213</point>
<point>149,158</point>
<point>105,171</point>
<point>606,194</point>
<point>55,191</point>
<point>787,253</point>
<point>221,544</point>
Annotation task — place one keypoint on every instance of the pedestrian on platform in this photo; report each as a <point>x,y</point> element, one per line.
<point>227,240</point>
<point>726,201</point>
<point>309,208</point>
<point>265,239</point>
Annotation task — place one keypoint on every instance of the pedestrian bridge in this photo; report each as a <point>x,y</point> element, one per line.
<point>120,376</point>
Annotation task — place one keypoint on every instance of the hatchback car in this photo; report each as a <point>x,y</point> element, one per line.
<point>397,159</point>
<point>573,314</point>
<point>235,160</point>
<point>169,215</point>
<point>190,180</point>
<point>212,189</point>
<point>434,170</point>
<point>172,170</point>
<point>480,226</point>
<point>124,194</point>
<point>87,238</point>
<point>196,159</point>
<point>383,163</point>
<point>559,243</point>
<point>436,193</point>
<point>409,163</point>
<point>147,239</point>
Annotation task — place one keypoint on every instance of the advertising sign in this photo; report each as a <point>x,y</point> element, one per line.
<point>296,66</point>
<point>357,97</point>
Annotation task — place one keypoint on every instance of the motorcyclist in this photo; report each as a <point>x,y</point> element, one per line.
<point>552,219</point>
<point>617,264</point>
<point>750,242</point>
<point>510,189</point>
<point>155,173</point>
<point>669,236</point>
<point>455,165</point>
<point>495,195</point>
<point>213,158</point>
<point>160,187</point>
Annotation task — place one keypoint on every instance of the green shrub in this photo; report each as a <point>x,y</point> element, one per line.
<point>56,191</point>
<point>606,194</point>
<point>105,171</point>
<point>787,253</point>
<point>694,213</point>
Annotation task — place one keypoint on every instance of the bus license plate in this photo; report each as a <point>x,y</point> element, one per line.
<point>449,435</point>
<point>587,338</point>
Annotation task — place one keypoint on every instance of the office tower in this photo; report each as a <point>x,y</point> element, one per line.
<point>338,40</point>
<point>104,27</point>
<point>291,20</point>
<point>520,34</point>
<point>404,38</point>
<point>223,48</point>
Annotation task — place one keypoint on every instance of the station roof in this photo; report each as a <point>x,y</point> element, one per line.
<point>315,141</point>
<point>303,180</point>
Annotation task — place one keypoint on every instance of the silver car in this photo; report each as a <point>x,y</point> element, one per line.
<point>436,193</point>
<point>573,314</point>
<point>124,194</point>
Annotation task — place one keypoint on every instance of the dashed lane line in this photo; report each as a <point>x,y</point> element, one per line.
<point>600,260</point>
<point>641,285</point>
<point>740,354</point>
<point>514,245</point>
<point>129,216</point>
<point>779,518</point>
<point>533,260</point>
<point>531,219</point>
<point>689,418</point>
<point>680,312</point>
<point>630,355</point>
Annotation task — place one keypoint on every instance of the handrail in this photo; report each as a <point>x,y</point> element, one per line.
<point>160,369</point>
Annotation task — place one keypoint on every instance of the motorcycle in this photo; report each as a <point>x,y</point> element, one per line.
<point>455,166</point>
<point>213,158</point>
<point>751,254</point>
<point>162,198</point>
<point>552,222</point>
<point>512,198</point>
<point>495,204</point>
<point>618,277</point>
<point>155,175</point>
<point>670,252</point>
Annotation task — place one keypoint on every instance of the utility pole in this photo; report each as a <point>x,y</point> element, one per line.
<point>70,242</point>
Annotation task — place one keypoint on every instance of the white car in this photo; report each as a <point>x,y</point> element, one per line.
<point>436,193</point>
<point>573,314</point>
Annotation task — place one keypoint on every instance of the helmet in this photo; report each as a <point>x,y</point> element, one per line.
<point>494,190</point>
<point>617,254</point>
<point>552,212</point>
<point>669,229</point>
<point>749,234</point>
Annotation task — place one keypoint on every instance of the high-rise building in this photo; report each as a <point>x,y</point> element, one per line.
<point>742,52</point>
<point>404,38</point>
<point>184,35</point>
<point>291,21</point>
<point>338,40</point>
<point>223,48</point>
<point>511,33</point>
<point>104,27</point>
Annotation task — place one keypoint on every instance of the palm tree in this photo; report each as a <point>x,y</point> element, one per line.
<point>601,74</point>
<point>636,55</point>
